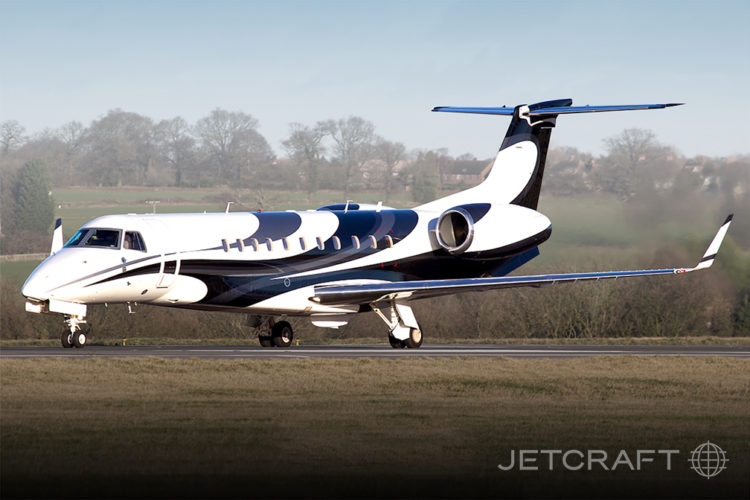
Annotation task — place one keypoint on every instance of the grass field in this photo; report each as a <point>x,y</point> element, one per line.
<point>585,227</point>
<point>365,428</point>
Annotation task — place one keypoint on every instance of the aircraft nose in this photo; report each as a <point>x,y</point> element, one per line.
<point>36,286</point>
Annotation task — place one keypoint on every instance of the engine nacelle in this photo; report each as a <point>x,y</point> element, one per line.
<point>455,230</point>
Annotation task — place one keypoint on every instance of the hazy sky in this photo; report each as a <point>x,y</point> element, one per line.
<point>389,62</point>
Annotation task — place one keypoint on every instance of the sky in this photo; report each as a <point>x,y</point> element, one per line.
<point>389,62</point>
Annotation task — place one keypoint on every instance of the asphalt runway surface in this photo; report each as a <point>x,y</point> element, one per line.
<point>373,351</point>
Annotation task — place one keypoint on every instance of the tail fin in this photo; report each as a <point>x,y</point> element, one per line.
<point>533,123</point>
<point>57,238</point>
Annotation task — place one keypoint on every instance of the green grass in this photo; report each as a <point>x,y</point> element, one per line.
<point>593,221</point>
<point>89,196</point>
<point>17,272</point>
<point>368,428</point>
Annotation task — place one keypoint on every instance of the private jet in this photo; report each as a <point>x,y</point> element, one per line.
<point>330,263</point>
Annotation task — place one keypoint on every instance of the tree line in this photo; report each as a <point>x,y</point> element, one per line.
<point>225,148</point>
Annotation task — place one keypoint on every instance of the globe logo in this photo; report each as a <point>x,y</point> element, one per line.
<point>708,460</point>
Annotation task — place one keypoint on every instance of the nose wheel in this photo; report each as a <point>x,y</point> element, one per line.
<point>67,339</point>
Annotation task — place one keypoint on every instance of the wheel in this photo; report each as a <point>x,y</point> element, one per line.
<point>282,334</point>
<point>265,340</point>
<point>414,341</point>
<point>396,343</point>
<point>79,339</point>
<point>67,339</point>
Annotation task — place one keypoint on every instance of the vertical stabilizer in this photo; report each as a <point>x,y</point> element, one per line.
<point>536,129</point>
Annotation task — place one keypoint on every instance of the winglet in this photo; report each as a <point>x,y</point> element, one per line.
<point>713,248</point>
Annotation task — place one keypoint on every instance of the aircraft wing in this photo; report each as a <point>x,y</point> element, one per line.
<point>370,293</point>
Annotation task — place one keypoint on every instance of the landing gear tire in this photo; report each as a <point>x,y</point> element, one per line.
<point>67,339</point>
<point>396,343</point>
<point>414,341</point>
<point>265,340</point>
<point>282,334</point>
<point>79,339</point>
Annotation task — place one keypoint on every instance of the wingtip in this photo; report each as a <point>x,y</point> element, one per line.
<point>728,219</point>
<point>671,104</point>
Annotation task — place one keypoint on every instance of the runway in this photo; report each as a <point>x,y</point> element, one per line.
<point>373,351</point>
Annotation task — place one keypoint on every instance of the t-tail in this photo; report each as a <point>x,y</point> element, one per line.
<point>518,169</point>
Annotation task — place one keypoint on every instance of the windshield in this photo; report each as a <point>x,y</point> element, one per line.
<point>103,238</point>
<point>77,238</point>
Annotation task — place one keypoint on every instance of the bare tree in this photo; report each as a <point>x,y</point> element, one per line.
<point>353,143</point>
<point>626,152</point>
<point>72,134</point>
<point>233,143</point>
<point>390,153</point>
<point>11,135</point>
<point>304,146</point>
<point>120,148</point>
<point>176,146</point>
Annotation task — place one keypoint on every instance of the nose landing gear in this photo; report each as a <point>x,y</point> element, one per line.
<point>74,334</point>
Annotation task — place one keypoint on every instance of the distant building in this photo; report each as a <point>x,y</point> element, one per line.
<point>469,172</point>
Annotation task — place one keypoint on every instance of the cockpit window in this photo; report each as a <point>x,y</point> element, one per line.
<point>103,238</point>
<point>133,241</point>
<point>77,238</point>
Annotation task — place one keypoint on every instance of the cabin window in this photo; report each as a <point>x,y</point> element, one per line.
<point>225,245</point>
<point>285,242</point>
<point>321,245</point>
<point>77,238</point>
<point>373,242</point>
<point>254,243</point>
<point>355,242</point>
<point>386,242</point>
<point>269,244</point>
<point>302,243</point>
<point>104,238</point>
<point>336,243</point>
<point>240,245</point>
<point>133,241</point>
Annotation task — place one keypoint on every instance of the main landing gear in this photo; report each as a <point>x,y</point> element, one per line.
<point>274,334</point>
<point>74,335</point>
<point>404,330</point>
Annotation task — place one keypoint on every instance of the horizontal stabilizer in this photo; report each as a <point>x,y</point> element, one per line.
<point>409,290</point>
<point>557,110</point>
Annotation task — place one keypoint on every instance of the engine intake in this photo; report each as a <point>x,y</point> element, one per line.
<point>455,230</point>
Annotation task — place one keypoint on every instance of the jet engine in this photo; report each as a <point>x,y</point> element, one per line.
<point>455,230</point>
